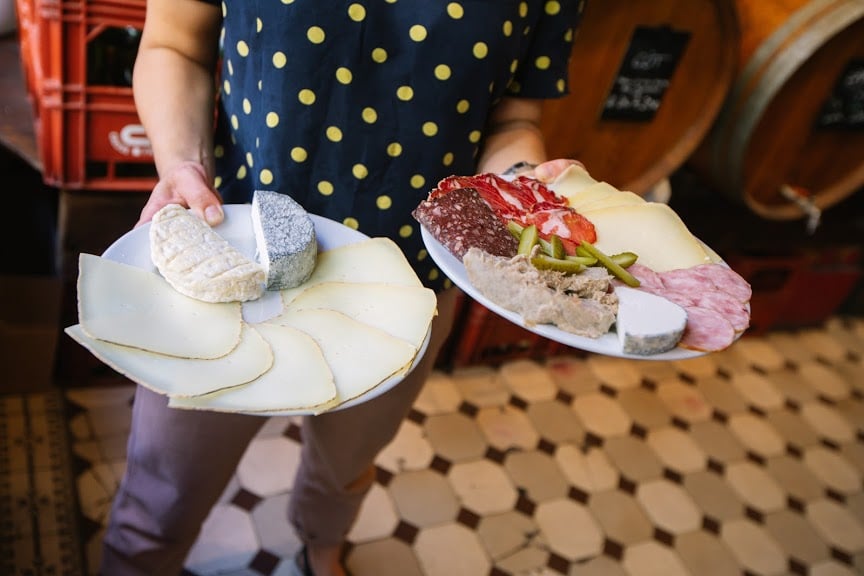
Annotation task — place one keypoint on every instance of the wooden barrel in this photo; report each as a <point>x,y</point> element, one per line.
<point>789,140</point>
<point>646,80</point>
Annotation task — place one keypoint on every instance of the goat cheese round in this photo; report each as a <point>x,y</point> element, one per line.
<point>285,239</point>
<point>646,323</point>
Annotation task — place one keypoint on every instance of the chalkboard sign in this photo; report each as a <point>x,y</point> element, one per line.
<point>844,109</point>
<point>645,73</point>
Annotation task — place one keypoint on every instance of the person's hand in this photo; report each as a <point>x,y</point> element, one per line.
<point>185,184</point>
<point>548,171</point>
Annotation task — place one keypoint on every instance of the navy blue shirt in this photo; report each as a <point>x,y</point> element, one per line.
<point>358,109</point>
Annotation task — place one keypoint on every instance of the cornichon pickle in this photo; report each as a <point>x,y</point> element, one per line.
<point>528,239</point>
<point>613,267</point>
<point>556,247</point>
<point>625,259</point>
<point>546,262</point>
<point>515,229</point>
<point>583,260</point>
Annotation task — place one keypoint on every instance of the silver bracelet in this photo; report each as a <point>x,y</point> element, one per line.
<point>519,168</point>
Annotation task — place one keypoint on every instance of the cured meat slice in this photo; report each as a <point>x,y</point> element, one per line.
<point>647,277</point>
<point>461,219</point>
<point>725,279</point>
<point>726,304</point>
<point>707,330</point>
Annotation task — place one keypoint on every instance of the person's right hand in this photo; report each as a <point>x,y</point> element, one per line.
<point>185,184</point>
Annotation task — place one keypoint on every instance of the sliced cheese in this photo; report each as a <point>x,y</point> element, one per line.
<point>360,356</point>
<point>619,198</point>
<point>129,306</point>
<point>183,377</point>
<point>594,193</point>
<point>402,311</point>
<point>372,260</point>
<point>300,379</point>
<point>647,324</point>
<point>653,231</point>
<point>572,181</point>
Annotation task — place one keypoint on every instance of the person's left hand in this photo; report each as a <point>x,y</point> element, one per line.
<point>548,171</point>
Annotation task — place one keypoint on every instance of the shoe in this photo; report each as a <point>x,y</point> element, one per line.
<point>300,564</point>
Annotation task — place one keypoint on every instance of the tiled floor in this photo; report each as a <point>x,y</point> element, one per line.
<point>750,462</point>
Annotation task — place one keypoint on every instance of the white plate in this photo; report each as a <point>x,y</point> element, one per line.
<point>607,344</point>
<point>133,248</point>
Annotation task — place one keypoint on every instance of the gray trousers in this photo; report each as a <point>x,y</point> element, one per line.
<point>178,463</point>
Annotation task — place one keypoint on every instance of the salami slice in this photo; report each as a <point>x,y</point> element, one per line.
<point>707,330</point>
<point>461,219</point>
<point>685,280</point>
<point>683,299</point>
<point>725,279</point>
<point>647,277</point>
<point>726,304</point>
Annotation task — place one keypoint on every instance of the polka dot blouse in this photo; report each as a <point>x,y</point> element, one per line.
<point>358,109</point>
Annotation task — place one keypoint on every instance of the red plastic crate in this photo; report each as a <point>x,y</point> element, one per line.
<point>87,127</point>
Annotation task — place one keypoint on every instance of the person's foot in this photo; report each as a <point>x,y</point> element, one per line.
<point>320,561</point>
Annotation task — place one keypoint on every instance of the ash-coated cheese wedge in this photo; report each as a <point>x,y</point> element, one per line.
<point>126,305</point>
<point>198,262</point>
<point>646,323</point>
<point>183,377</point>
<point>370,260</point>
<point>300,379</point>
<point>285,239</point>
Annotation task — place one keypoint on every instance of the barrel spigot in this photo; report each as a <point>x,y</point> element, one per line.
<point>802,199</point>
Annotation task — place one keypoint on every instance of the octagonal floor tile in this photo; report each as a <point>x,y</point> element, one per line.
<point>514,542</point>
<point>377,519</point>
<point>677,449</point>
<point>451,549</point>
<point>483,487</point>
<point>439,395</point>
<point>227,541</point>
<point>754,548</point>
<point>621,517</point>
<point>269,464</point>
<point>507,427</point>
<point>652,559</point>
<point>456,437</point>
<point>537,474</point>
<point>424,498</point>
<point>528,380</point>
<point>387,557</point>
<point>618,373</point>
<point>409,450</point>
<point>669,506</point>
<point>602,415</point>
<point>570,529</point>
<point>555,422</point>
<point>589,470</point>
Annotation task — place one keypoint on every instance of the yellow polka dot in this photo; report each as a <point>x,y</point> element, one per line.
<point>560,85</point>
<point>405,93</point>
<point>442,72</point>
<point>359,171</point>
<point>448,159</point>
<point>356,12</point>
<point>523,9</point>
<point>430,128</point>
<point>462,106</point>
<point>299,154</point>
<point>455,10</point>
<point>287,1</point>
<point>383,202</point>
<point>219,152</point>
<point>481,50</point>
<point>250,161</point>
<point>242,48</point>
<point>247,106</point>
<point>260,84</point>
<point>379,55</point>
<point>526,30</point>
<point>507,28</point>
<point>272,119</point>
<point>542,62</point>
<point>334,134</point>
<point>344,75</point>
<point>279,59</point>
<point>417,33</point>
<point>266,176</point>
<point>351,223</point>
<point>241,173</point>
<point>230,67</point>
<point>474,136</point>
<point>422,255</point>
<point>226,87</point>
<point>235,122</point>
<point>258,24</point>
<point>417,181</point>
<point>406,231</point>
<point>217,182</point>
<point>514,65</point>
<point>448,283</point>
<point>325,188</point>
<point>433,274</point>
<point>369,115</point>
<point>491,87</point>
<point>568,36</point>
<point>390,1</point>
<point>315,35</point>
<point>306,96</point>
<point>552,7</point>
<point>394,149</point>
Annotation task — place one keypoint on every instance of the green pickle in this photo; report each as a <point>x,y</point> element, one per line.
<point>616,269</point>
<point>547,262</point>
<point>528,239</point>
<point>556,247</point>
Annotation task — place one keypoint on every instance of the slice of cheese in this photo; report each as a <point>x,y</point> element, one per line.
<point>402,311</point>
<point>371,260</point>
<point>594,193</point>
<point>360,356</point>
<point>647,324</point>
<point>653,231</point>
<point>285,239</point>
<point>198,262</point>
<point>129,306</point>
<point>572,181</point>
<point>300,379</point>
<point>619,198</point>
<point>183,377</point>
